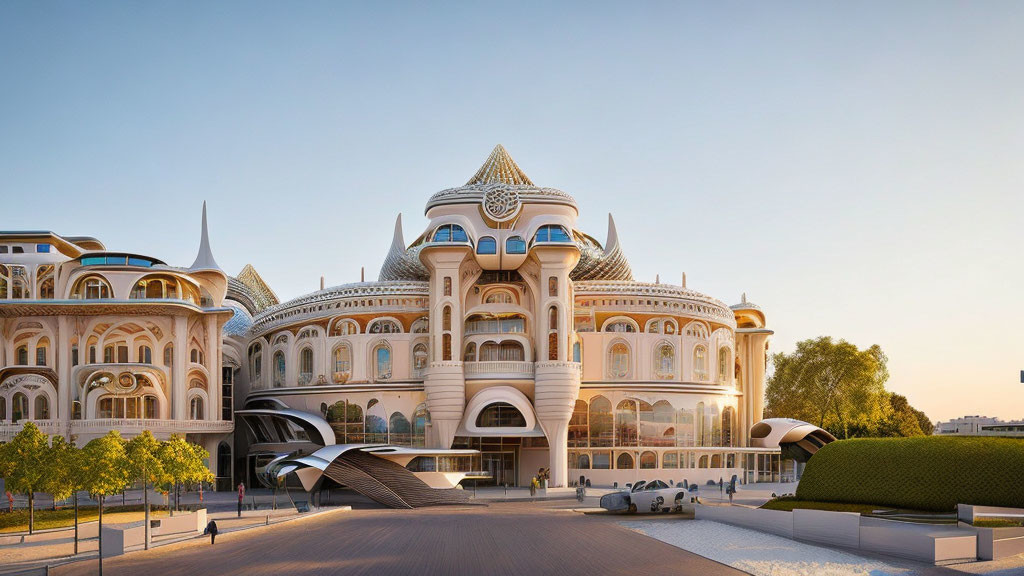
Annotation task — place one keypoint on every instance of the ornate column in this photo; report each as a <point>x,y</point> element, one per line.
<point>213,361</point>
<point>178,408</point>
<point>63,361</point>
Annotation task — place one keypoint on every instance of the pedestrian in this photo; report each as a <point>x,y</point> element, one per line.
<point>241,495</point>
<point>211,529</point>
<point>10,502</point>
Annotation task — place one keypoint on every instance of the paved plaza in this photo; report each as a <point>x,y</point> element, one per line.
<point>512,538</point>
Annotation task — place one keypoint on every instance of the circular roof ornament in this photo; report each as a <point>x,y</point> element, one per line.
<point>501,203</point>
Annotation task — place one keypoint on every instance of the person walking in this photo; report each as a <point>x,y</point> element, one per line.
<point>241,495</point>
<point>211,529</point>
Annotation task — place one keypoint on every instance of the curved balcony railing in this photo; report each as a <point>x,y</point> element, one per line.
<point>153,425</point>
<point>498,369</point>
<point>505,326</point>
<point>9,429</point>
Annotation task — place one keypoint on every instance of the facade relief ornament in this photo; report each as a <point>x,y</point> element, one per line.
<point>501,203</point>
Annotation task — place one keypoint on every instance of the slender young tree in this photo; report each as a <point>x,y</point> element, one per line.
<point>64,477</point>
<point>105,472</point>
<point>144,465</point>
<point>25,465</point>
<point>183,463</point>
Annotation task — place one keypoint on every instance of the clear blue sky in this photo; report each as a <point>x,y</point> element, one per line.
<point>856,168</point>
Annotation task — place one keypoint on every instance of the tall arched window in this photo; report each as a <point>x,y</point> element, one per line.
<point>486,245</point>
<point>700,363</point>
<point>382,362</point>
<point>376,423</point>
<point>446,318</point>
<point>553,286</point>
<point>22,354</point>
<point>305,366</point>
<point>149,407</point>
<point>279,369</point>
<point>579,426</point>
<point>44,281</point>
<point>700,439</point>
<point>19,407</point>
<point>657,424</point>
<point>624,461</point>
<point>41,348</point>
<point>664,361</point>
<point>601,423</point>
<point>450,233</point>
<point>727,418</point>
<point>648,460</point>
<point>625,423</point>
<point>145,355</point>
<point>420,420</point>
<point>169,355</point>
<point>91,288</point>
<point>3,409</point>
<point>447,286</point>
<point>384,327</point>
<point>553,333</point>
<point>195,408</point>
<point>342,360</point>
<point>446,337</point>
<point>723,365</point>
<point>401,429</point>
<point>618,360</point>
<point>577,352</point>
<point>684,428</point>
<point>419,358</point>
<point>42,408</point>
<point>470,354</point>
<point>515,245</point>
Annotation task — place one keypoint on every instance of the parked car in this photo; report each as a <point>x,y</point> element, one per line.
<point>647,497</point>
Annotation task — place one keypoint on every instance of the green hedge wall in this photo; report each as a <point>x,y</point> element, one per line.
<point>919,473</point>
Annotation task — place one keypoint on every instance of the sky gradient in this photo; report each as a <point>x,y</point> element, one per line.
<point>855,168</point>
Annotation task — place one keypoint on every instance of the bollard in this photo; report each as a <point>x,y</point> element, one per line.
<point>268,520</point>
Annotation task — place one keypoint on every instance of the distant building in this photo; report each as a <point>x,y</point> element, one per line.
<point>980,426</point>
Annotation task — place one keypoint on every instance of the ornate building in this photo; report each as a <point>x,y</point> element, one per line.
<point>502,328</point>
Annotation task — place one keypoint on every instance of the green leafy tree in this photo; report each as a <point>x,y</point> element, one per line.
<point>183,464</point>
<point>105,472</point>
<point>25,464</point>
<point>903,419</point>
<point>65,476</point>
<point>145,466</point>
<point>832,384</point>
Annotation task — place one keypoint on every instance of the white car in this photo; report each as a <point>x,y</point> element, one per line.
<point>652,496</point>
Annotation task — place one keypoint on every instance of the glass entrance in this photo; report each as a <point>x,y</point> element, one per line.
<point>501,466</point>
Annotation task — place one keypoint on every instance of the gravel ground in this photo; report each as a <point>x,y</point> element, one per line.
<point>764,554</point>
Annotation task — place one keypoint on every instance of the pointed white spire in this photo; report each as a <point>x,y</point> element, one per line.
<point>204,260</point>
<point>613,236</point>
<point>398,241</point>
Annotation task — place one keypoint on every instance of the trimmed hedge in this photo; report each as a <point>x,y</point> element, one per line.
<point>920,473</point>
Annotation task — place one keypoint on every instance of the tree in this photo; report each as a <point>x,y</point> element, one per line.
<point>904,420</point>
<point>64,477</point>
<point>25,465</point>
<point>144,465</point>
<point>834,385</point>
<point>183,463</point>
<point>105,471</point>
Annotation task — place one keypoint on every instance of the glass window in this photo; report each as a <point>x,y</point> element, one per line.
<point>419,424</point>
<point>470,354</point>
<point>648,461</point>
<point>665,362</point>
<point>625,424</point>
<point>551,233</point>
<point>618,360</point>
<point>487,245</point>
<point>384,327</point>
<point>42,408</point>
<point>401,429</point>
<point>19,407</point>
<point>376,423</point>
<point>342,364</point>
<point>419,357</point>
<point>44,281</point>
<point>700,364</point>
<point>169,355</point>
<point>382,354</point>
<point>624,461</point>
<point>500,415</point>
<point>601,426</point>
<point>670,460</point>
<point>305,366</point>
<point>43,248</point>
<point>22,355</point>
<point>195,411</point>
<point>620,326</point>
<point>723,365</point>
<point>553,286</point>
<point>279,369</point>
<point>20,288</point>
<point>515,245</point>
<point>601,460</point>
<point>145,355</point>
<point>579,426</point>
<point>40,355</point>
<point>450,233</point>
<point>93,261</point>
<point>447,286</point>
<point>17,249</point>
<point>3,408</point>
<point>105,408</point>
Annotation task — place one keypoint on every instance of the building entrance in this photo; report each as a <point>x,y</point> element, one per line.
<point>501,466</point>
<point>499,457</point>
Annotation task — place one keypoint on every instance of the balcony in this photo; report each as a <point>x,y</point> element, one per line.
<point>496,326</point>
<point>8,429</point>
<point>138,425</point>
<point>500,369</point>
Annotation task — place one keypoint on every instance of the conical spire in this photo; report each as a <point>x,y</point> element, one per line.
<point>500,167</point>
<point>612,242</point>
<point>398,241</point>
<point>204,260</point>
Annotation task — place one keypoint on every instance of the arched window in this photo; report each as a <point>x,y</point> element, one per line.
<point>446,318</point>
<point>401,430</point>
<point>620,326</point>
<point>447,286</point>
<point>446,346</point>
<point>224,460</point>
<point>384,327</point>
<point>346,418</point>
<point>716,460</point>
<point>145,355</point>
<point>697,330</point>
<point>664,361</point>
<point>486,245</point>
<point>344,328</point>
<point>419,358</point>
<point>342,369</point>
<point>553,286</point>
<point>44,281</point>
<point>195,408</point>
<point>723,365</point>
<point>279,369</point>
<point>420,420</point>
<point>648,460</point>
<point>3,409</point>
<point>470,355</point>
<point>91,288</point>
<point>625,424</point>
<point>618,360</point>
<point>22,354</point>
<point>376,423</point>
<point>42,408</point>
<point>149,407</point>
<point>421,326</point>
<point>727,419</point>
<point>19,407</point>
<point>577,352</point>
<point>578,426</point>
<point>169,355</point>
<point>499,297</point>
<point>508,351</point>
<point>684,428</point>
<point>601,422</point>
<point>515,245</point>
<point>41,346</point>
<point>382,362</point>
<point>500,415</point>
<point>583,461</point>
<point>552,233</point>
<point>450,233</point>
<point>624,461</point>
<point>703,462</point>
<point>700,363</point>
<point>553,333</point>
<point>305,366</point>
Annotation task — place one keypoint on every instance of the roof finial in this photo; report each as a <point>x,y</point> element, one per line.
<point>204,259</point>
<point>322,280</point>
<point>744,298</point>
<point>657,278</point>
<point>613,235</point>
<point>362,273</point>
<point>500,167</point>
<point>684,279</point>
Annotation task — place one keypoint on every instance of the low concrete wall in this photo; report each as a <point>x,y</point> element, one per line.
<point>118,538</point>
<point>920,542</point>
<point>996,543</point>
<point>832,528</point>
<point>774,521</point>
<point>968,512</point>
<point>181,523</point>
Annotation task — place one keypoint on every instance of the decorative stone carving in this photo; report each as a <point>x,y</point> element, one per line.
<point>501,203</point>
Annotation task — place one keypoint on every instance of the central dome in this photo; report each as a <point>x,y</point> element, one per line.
<point>501,186</point>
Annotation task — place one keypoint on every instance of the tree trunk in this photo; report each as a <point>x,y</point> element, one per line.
<point>101,535</point>
<point>145,498</point>
<point>76,522</point>
<point>31,511</point>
